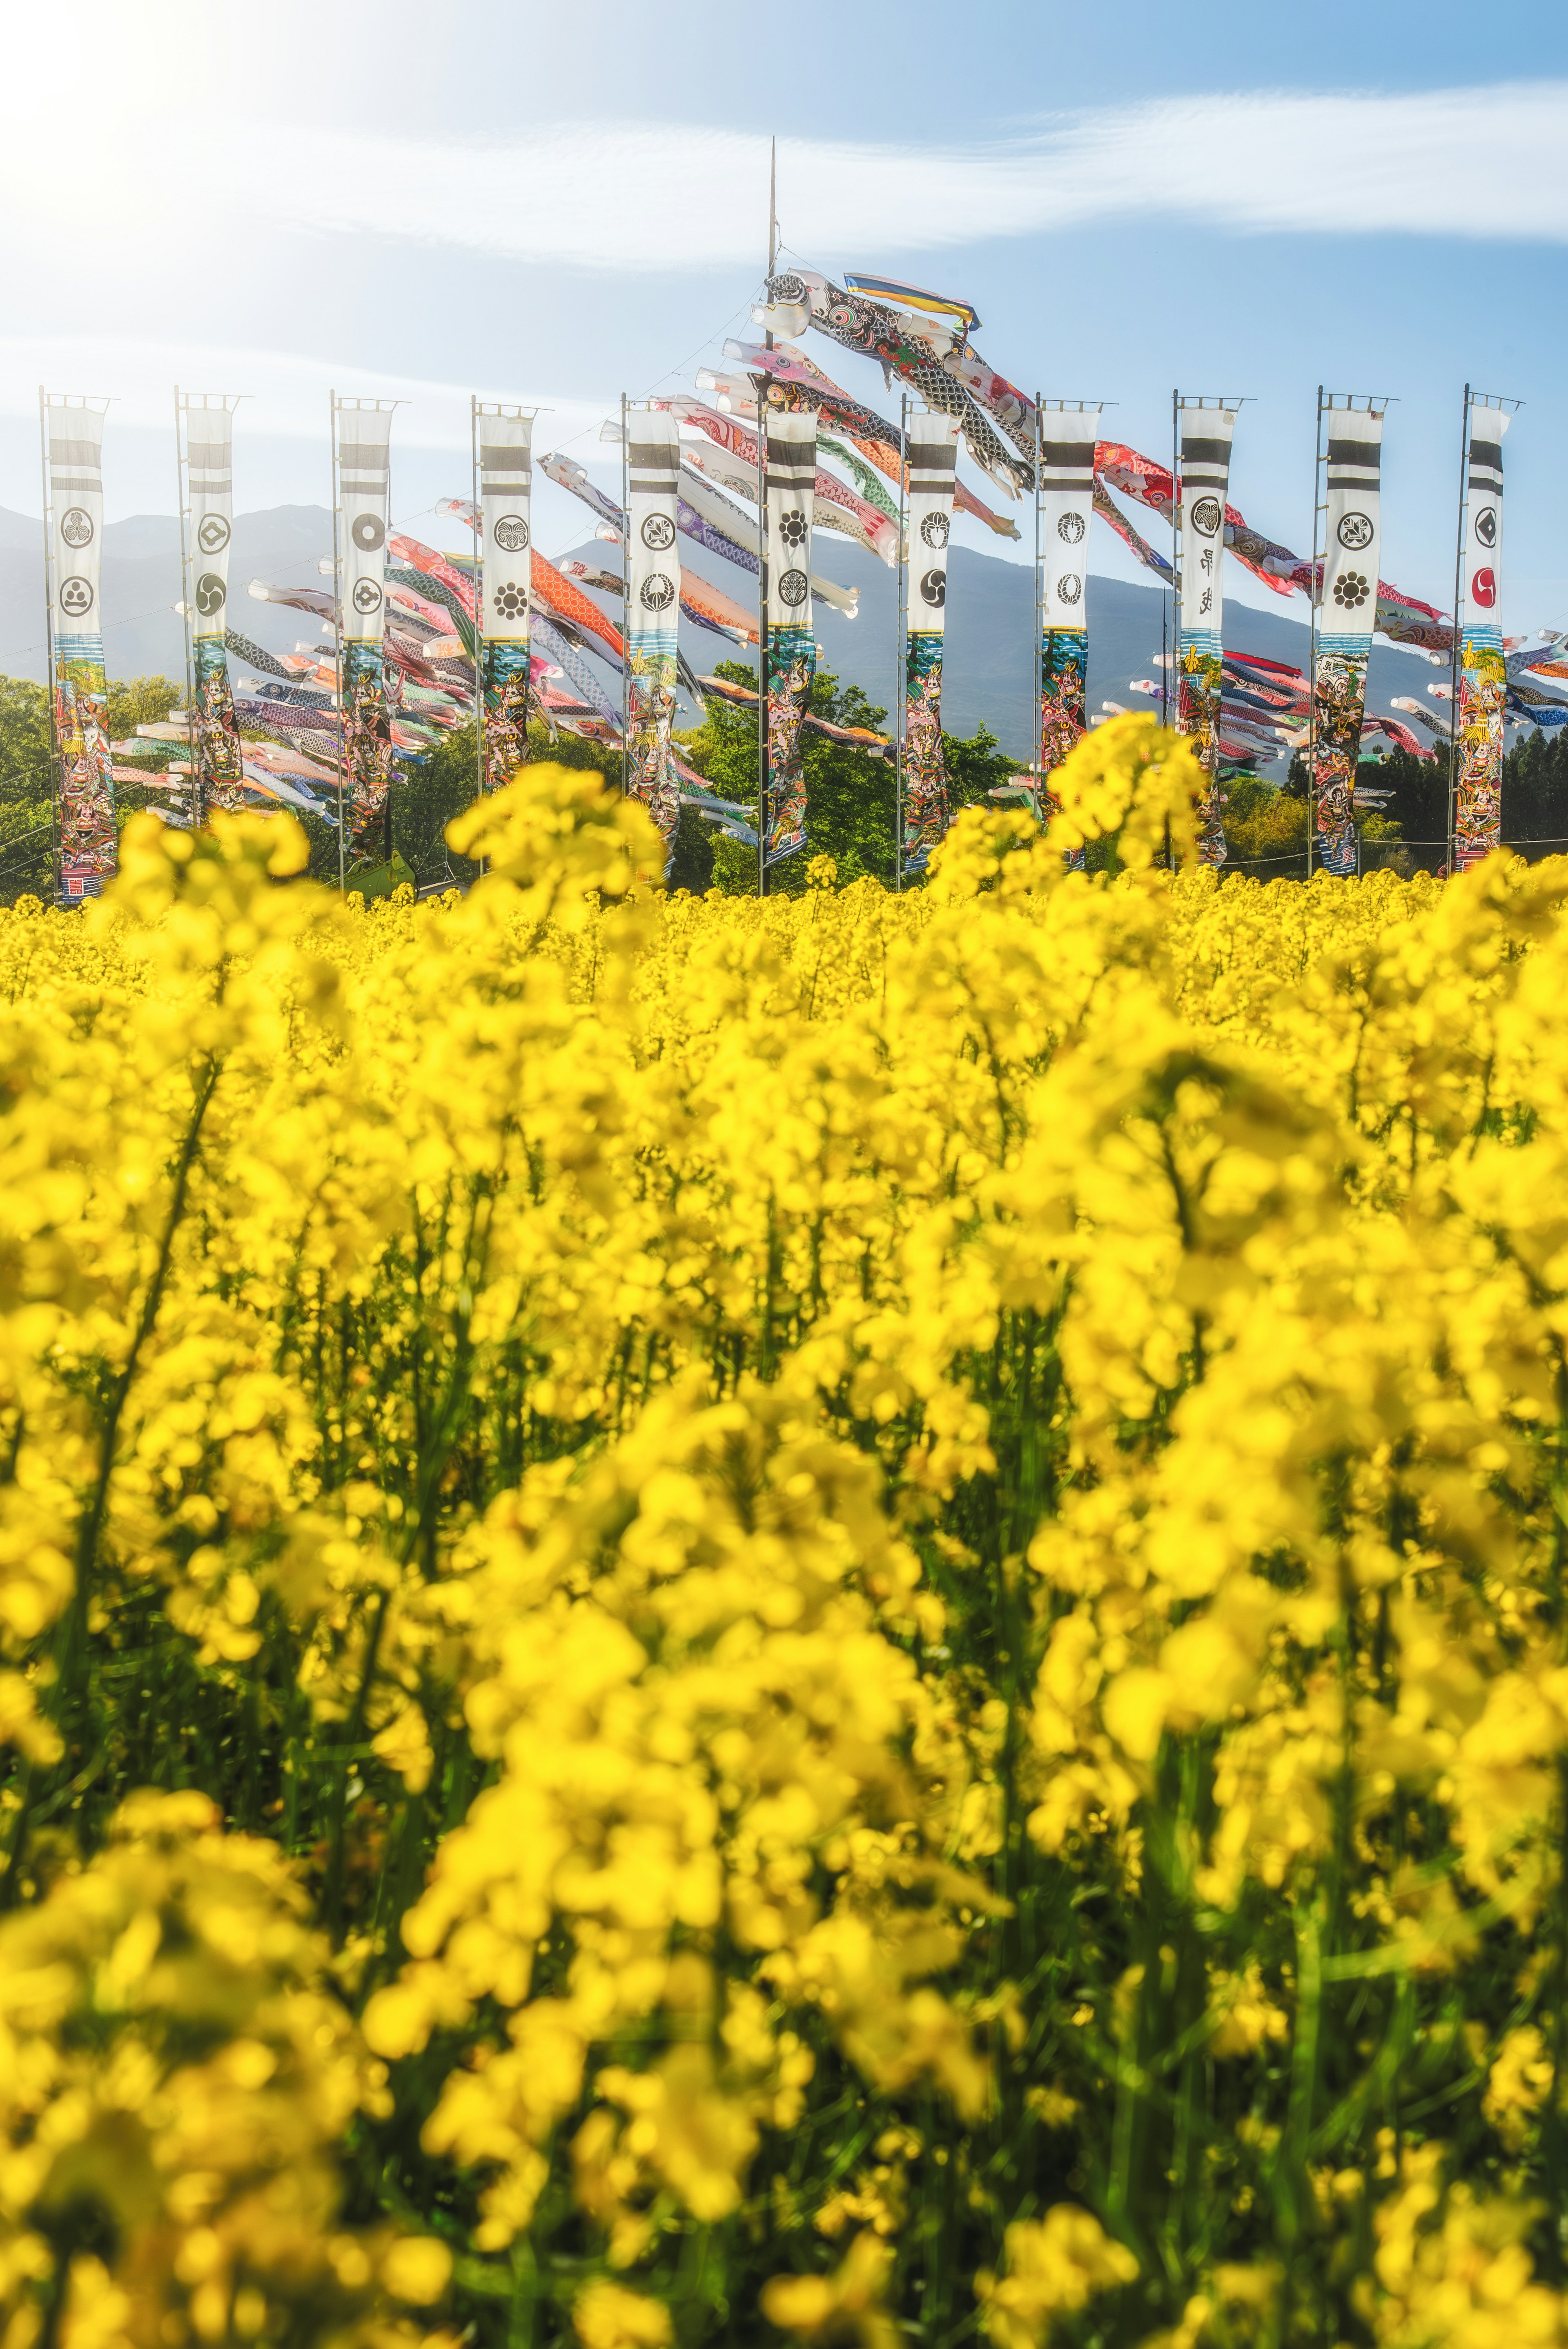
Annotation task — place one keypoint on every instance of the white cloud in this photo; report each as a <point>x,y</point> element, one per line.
<point>1474,162</point>
<point>643,197</point>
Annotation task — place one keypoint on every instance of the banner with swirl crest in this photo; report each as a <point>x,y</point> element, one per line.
<point>217,756</point>
<point>1069,437</point>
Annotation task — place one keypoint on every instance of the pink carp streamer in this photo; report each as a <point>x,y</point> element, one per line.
<point>557,593</point>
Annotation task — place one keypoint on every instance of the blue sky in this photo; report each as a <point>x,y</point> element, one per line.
<point>560,203</point>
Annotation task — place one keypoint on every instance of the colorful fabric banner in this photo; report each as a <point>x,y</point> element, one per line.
<point>1205,441</point>
<point>1067,440</point>
<point>1347,611</point>
<point>790,469</point>
<point>1483,686</point>
<point>796,298</point>
<point>652,615</point>
<point>74,441</point>
<point>933,469</point>
<point>217,759</point>
<point>363,432</point>
<point>505,444</point>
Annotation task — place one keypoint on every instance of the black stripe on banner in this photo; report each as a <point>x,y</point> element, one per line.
<point>1487,452</point>
<point>504,460</point>
<point>1062,481</point>
<point>1490,481</point>
<point>933,460</point>
<point>1204,452</point>
<point>1341,478</point>
<point>1076,456</point>
<point>653,456</point>
<point>1368,454</point>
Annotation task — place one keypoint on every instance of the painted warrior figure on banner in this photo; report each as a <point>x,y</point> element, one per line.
<point>933,444</point>
<point>506,538</point>
<point>1205,441</point>
<point>1067,441</point>
<point>789,480</point>
<point>362,432</point>
<point>1345,613</point>
<point>217,779</point>
<point>1478,801</point>
<point>73,436</point>
<point>652,615</point>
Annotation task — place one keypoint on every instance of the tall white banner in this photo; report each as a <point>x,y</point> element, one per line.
<point>788,484</point>
<point>1205,435</point>
<point>364,431</point>
<point>506,529</point>
<point>73,447</point>
<point>1347,612</point>
<point>1478,785</point>
<point>932,451</point>
<point>217,759</point>
<point>653,612</point>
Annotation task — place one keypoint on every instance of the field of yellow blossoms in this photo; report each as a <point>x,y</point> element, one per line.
<point>838,1620</point>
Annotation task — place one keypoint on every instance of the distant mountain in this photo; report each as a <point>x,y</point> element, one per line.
<point>989,669</point>
<point>143,634</point>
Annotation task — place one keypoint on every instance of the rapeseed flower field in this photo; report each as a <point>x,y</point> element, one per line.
<point>830,1620</point>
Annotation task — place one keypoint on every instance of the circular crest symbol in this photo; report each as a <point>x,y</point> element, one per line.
<point>657,593</point>
<point>366,531</point>
<point>511,601</point>
<point>658,532</point>
<point>1483,587</point>
<point>1069,528</point>
<point>511,533</point>
<point>211,593</point>
<point>1486,526</point>
<point>794,589</point>
<point>792,527</point>
<point>367,596</point>
<point>212,534</point>
<point>75,527</point>
<point>1354,532</point>
<point>934,530</point>
<point>1069,587</point>
<point>1207,516</point>
<point>934,588</point>
<point>1351,590</point>
<point>76,597</point>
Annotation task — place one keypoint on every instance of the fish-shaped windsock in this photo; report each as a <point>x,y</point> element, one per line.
<point>878,333</point>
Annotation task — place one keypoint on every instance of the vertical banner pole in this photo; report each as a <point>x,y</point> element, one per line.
<point>1454,649</point>
<point>479,597</point>
<point>1037,642</point>
<point>1313,617</point>
<point>342,720</point>
<point>625,600</point>
<point>900,681</point>
<point>183,495</point>
<point>761,636</point>
<point>54,848</point>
